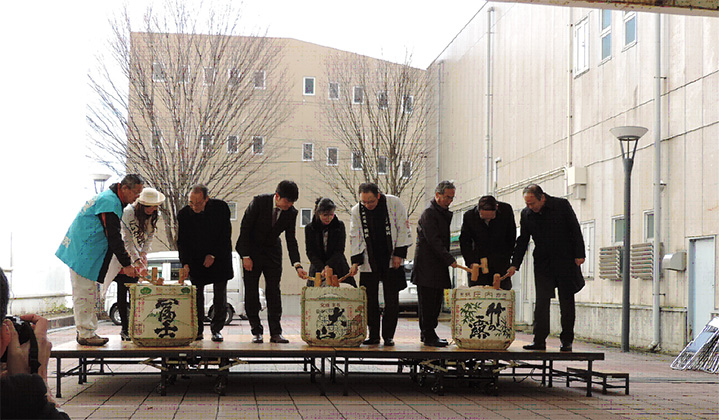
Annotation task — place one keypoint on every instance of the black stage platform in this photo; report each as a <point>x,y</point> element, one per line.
<point>478,367</point>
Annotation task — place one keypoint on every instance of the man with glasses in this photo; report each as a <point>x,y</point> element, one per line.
<point>489,231</point>
<point>379,238</point>
<point>205,246</point>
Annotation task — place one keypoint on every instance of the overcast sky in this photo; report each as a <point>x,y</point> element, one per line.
<point>47,47</point>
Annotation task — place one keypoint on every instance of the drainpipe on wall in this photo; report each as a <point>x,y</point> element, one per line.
<point>656,268</point>
<point>440,69</point>
<point>488,151</point>
<point>570,80</point>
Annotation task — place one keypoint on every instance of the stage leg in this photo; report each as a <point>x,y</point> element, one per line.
<point>589,378</point>
<point>58,390</point>
<point>551,373</point>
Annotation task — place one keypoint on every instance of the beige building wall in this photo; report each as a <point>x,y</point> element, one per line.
<point>537,101</point>
<point>305,125</point>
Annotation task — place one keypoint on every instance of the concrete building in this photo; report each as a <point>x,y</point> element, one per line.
<point>528,94</point>
<point>301,144</point>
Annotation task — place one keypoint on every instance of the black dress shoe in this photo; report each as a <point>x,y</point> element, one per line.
<point>371,341</point>
<point>257,338</point>
<point>124,336</point>
<point>436,343</point>
<point>566,347</point>
<point>217,337</point>
<point>278,338</point>
<point>535,346</point>
<point>199,337</point>
<point>388,342</point>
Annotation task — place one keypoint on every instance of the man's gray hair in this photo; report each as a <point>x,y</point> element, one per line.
<point>444,185</point>
<point>200,188</point>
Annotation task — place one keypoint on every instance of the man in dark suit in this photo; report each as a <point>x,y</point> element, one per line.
<point>205,246</point>
<point>431,262</point>
<point>266,217</point>
<point>558,255</point>
<point>489,231</point>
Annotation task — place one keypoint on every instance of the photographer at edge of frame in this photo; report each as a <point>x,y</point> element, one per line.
<point>25,395</point>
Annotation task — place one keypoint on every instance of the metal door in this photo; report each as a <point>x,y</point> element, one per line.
<point>702,283</point>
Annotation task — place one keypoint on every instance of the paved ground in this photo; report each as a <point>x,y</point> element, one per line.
<point>656,392</point>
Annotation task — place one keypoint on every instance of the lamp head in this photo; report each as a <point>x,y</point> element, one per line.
<point>628,132</point>
<point>99,180</point>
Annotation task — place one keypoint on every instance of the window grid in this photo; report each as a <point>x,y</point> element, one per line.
<point>233,209</point>
<point>406,169</point>
<point>605,26</point>
<point>308,152</point>
<point>382,165</point>
<point>358,95</point>
<point>630,29</point>
<point>334,90</point>
<point>308,86</point>
<point>581,47</point>
<point>648,226</point>
<point>305,217</point>
<point>210,76</point>
<point>259,79</point>
<point>588,230</point>
<point>158,72</point>
<point>258,145</point>
<point>618,230</point>
<point>332,156</point>
<point>232,144</point>
<point>356,163</point>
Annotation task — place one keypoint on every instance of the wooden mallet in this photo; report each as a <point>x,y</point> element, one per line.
<point>498,280</point>
<point>474,271</point>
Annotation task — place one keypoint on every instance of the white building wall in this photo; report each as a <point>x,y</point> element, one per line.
<point>532,92</point>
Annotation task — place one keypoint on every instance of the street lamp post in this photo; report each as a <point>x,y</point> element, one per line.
<point>629,135</point>
<point>99,180</point>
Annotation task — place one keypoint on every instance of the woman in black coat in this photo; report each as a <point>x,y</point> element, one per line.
<point>325,242</point>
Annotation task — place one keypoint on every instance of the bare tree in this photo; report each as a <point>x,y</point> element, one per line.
<point>378,111</point>
<point>190,102</point>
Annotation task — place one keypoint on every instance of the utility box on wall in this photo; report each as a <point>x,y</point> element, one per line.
<point>675,262</point>
<point>577,182</point>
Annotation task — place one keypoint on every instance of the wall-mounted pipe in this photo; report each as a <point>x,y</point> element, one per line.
<point>488,137</point>
<point>656,266</point>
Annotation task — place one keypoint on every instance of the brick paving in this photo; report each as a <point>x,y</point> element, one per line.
<point>656,391</point>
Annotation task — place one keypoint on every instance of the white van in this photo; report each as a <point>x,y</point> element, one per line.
<point>168,264</point>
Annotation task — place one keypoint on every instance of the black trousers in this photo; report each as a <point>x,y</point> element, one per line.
<point>391,305</point>
<point>430,305</point>
<point>122,298</point>
<point>273,275</point>
<point>219,302</point>
<point>541,310</point>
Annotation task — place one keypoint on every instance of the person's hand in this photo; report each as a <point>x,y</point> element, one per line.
<point>143,256</point>
<point>44,345</point>
<point>511,270</point>
<point>454,264</point>
<point>396,261</point>
<point>579,261</point>
<point>302,273</point>
<point>209,260</point>
<point>247,263</point>
<point>325,271</point>
<point>353,270</point>
<point>129,271</point>
<point>17,355</point>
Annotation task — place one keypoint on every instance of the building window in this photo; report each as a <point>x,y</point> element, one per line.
<point>309,86</point>
<point>308,150</point>
<point>630,28</point>
<point>357,95</point>
<point>408,104</point>
<point>259,79</point>
<point>356,161</point>
<point>648,226</point>
<point>210,75</point>
<point>184,76</point>
<point>233,209</point>
<point>382,101</point>
<point>158,72</point>
<point>332,156</point>
<point>406,169</point>
<point>581,47</point>
<point>334,92</point>
<point>306,217</point>
<point>618,230</point>
<point>605,25</point>
<point>157,139</point>
<point>205,142</point>
<point>258,145</point>
<point>234,77</point>
<point>232,144</point>
<point>382,165</point>
<point>588,235</point>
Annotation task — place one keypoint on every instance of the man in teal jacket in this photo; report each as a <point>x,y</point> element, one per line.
<point>93,238</point>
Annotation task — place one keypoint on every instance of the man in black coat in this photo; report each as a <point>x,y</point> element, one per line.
<point>431,261</point>
<point>266,217</point>
<point>205,246</point>
<point>558,255</point>
<point>489,231</point>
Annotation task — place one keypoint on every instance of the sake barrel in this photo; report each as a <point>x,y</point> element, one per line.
<point>334,316</point>
<point>483,318</point>
<point>163,316</point>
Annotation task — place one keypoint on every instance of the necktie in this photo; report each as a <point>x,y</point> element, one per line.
<point>275,215</point>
